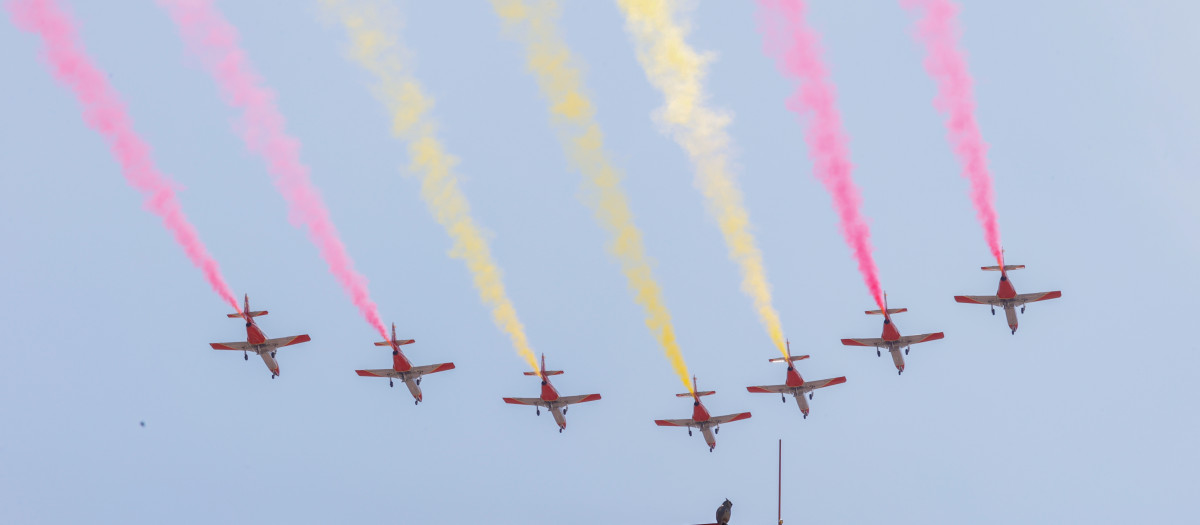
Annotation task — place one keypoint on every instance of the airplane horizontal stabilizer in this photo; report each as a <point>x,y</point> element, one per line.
<point>1007,267</point>
<point>793,359</point>
<point>547,372</point>
<point>400,342</point>
<point>703,393</point>
<point>890,311</point>
<point>252,314</point>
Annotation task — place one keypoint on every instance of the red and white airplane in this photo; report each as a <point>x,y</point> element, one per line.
<point>1006,296</point>
<point>550,398</point>
<point>795,385</point>
<point>891,339</point>
<point>256,340</point>
<point>707,424</point>
<point>402,369</point>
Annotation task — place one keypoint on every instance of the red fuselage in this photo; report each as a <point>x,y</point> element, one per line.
<point>1006,290</point>
<point>699,413</point>
<point>254,336</point>
<point>549,393</point>
<point>890,333</point>
<point>399,362</point>
<point>793,377</point>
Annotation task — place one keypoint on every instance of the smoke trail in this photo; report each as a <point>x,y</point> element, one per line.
<point>105,113</point>
<point>678,71</point>
<point>550,59</point>
<point>214,40</point>
<point>796,49</point>
<point>939,30</point>
<point>369,25</point>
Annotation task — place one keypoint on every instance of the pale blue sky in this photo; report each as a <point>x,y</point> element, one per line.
<point>1087,414</point>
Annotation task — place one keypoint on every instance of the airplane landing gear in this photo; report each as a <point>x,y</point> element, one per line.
<point>416,401</point>
<point>898,372</point>
<point>538,410</point>
<point>1014,331</point>
<point>1022,308</point>
<point>783,399</point>
<point>717,430</point>
<point>906,350</point>
<point>877,354</point>
<point>390,383</point>
<point>272,354</point>
<point>245,356</point>
<point>560,431</point>
<point>689,431</point>
<point>710,449</point>
<point>810,395</point>
<point>993,311</point>
<point>273,376</point>
<point>565,410</point>
<point>805,416</point>
<point>418,380</point>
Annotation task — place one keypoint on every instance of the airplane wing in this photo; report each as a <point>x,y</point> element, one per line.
<point>822,383</point>
<point>523,400</point>
<point>914,339</point>
<point>768,389</point>
<point>1035,297</point>
<point>731,417</point>
<point>285,341</point>
<point>571,400</point>
<point>379,372</point>
<point>675,422</point>
<point>232,346</point>
<point>978,299</point>
<point>864,342</point>
<point>430,369</point>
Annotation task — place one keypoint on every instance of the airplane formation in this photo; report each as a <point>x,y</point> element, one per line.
<point>794,384</point>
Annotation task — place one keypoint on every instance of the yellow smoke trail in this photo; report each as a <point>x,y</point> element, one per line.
<point>551,61</point>
<point>677,71</point>
<point>369,25</point>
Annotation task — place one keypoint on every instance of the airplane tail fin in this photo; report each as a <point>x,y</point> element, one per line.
<point>246,310</point>
<point>890,311</point>
<point>793,359</point>
<point>1004,268</point>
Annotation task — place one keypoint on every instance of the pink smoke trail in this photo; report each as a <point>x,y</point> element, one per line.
<point>105,113</point>
<point>795,47</point>
<point>939,30</point>
<point>211,37</point>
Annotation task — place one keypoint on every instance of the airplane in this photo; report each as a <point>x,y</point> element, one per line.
<point>256,340</point>
<point>402,369</point>
<point>795,385</point>
<point>550,398</point>
<point>1006,296</point>
<point>707,424</point>
<point>891,339</point>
